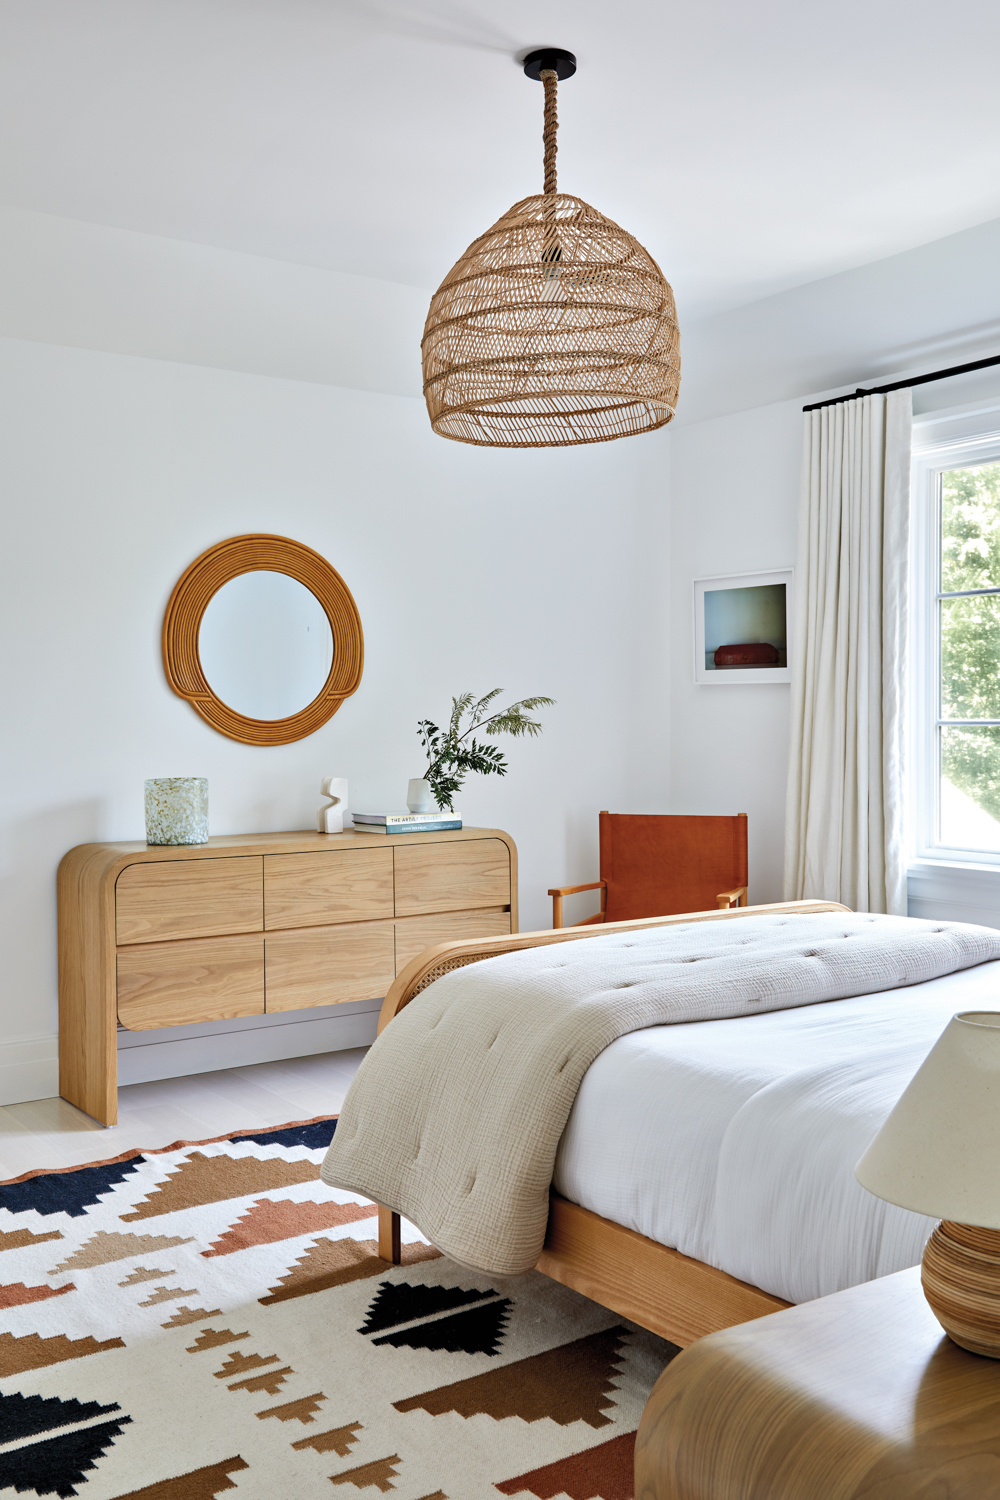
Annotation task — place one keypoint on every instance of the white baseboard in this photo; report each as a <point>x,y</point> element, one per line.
<point>176,1051</point>
<point>30,1069</point>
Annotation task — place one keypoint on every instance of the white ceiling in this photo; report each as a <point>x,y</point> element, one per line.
<point>750,147</point>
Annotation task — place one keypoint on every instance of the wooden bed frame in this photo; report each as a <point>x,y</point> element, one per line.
<point>679,1298</point>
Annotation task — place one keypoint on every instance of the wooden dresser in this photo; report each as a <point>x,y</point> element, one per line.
<point>170,935</point>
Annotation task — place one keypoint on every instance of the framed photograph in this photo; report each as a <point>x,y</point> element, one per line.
<point>743,628</point>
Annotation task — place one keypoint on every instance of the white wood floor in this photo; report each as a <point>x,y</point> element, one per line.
<point>52,1133</point>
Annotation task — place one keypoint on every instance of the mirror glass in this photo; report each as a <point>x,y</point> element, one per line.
<point>265,644</point>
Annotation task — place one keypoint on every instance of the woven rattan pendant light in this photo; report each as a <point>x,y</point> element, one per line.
<point>556,327</point>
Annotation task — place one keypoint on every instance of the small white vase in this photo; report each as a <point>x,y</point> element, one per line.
<point>419,797</point>
<point>331,819</point>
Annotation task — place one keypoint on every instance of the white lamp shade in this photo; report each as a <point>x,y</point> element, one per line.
<point>938,1153</point>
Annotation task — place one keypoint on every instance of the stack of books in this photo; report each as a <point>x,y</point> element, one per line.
<point>405,822</point>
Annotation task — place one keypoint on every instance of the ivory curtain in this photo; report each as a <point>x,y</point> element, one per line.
<point>844,823</point>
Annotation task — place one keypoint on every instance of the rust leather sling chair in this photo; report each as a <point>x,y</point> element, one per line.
<point>653,865</point>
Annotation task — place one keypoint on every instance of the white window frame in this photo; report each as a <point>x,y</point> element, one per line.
<point>974,439</point>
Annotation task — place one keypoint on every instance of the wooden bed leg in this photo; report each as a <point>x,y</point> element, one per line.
<point>389,1247</point>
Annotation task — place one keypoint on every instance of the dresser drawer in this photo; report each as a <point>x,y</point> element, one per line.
<point>313,890</point>
<point>414,934</point>
<point>451,877</point>
<point>176,984</point>
<point>326,965</point>
<point>188,898</point>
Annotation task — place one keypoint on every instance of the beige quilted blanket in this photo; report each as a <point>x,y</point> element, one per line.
<point>455,1114</point>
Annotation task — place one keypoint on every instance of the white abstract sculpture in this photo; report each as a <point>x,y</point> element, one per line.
<point>331,819</point>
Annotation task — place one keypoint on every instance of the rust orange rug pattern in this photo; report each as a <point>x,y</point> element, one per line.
<point>210,1318</point>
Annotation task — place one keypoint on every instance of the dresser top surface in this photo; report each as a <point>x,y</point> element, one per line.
<point>294,841</point>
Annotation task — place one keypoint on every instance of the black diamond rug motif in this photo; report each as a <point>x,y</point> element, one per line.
<point>316,1137</point>
<point>24,1416</point>
<point>403,1303</point>
<point>66,1192</point>
<point>478,1331</point>
<point>58,1465</point>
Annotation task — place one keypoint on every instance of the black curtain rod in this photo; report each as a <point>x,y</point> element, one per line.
<point>901,385</point>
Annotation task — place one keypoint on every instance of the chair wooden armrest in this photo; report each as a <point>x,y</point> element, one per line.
<point>559,891</point>
<point>735,897</point>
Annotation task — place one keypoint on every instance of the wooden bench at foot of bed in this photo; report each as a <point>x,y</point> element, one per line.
<point>670,1294</point>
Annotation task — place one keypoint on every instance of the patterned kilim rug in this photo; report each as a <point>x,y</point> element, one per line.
<point>179,1323</point>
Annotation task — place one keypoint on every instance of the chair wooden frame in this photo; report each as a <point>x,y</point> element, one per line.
<point>679,1298</point>
<point>725,899</point>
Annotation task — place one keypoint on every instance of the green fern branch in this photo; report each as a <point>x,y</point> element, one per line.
<point>450,759</point>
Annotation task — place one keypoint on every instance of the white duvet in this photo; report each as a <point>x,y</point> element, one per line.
<point>735,1141</point>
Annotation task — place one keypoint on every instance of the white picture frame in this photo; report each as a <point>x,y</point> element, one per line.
<point>754,619</point>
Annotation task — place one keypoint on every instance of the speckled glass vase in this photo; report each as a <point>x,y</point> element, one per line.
<point>177,810</point>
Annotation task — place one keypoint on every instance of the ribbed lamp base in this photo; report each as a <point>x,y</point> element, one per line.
<point>961,1281</point>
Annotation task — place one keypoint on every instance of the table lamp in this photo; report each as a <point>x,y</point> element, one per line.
<point>938,1153</point>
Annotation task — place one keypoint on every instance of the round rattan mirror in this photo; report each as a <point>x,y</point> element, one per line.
<point>184,641</point>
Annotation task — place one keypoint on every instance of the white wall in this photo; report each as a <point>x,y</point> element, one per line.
<point>926,309</point>
<point>470,568</point>
<point>97,287</point>
<point>734,488</point>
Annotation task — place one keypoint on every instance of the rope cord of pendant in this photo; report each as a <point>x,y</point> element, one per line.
<point>550,79</point>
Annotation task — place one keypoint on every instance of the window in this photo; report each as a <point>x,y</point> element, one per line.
<point>956,644</point>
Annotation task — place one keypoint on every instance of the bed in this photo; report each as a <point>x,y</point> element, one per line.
<point>745,1102</point>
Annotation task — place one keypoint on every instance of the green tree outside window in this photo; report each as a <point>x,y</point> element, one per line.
<point>970,632</point>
